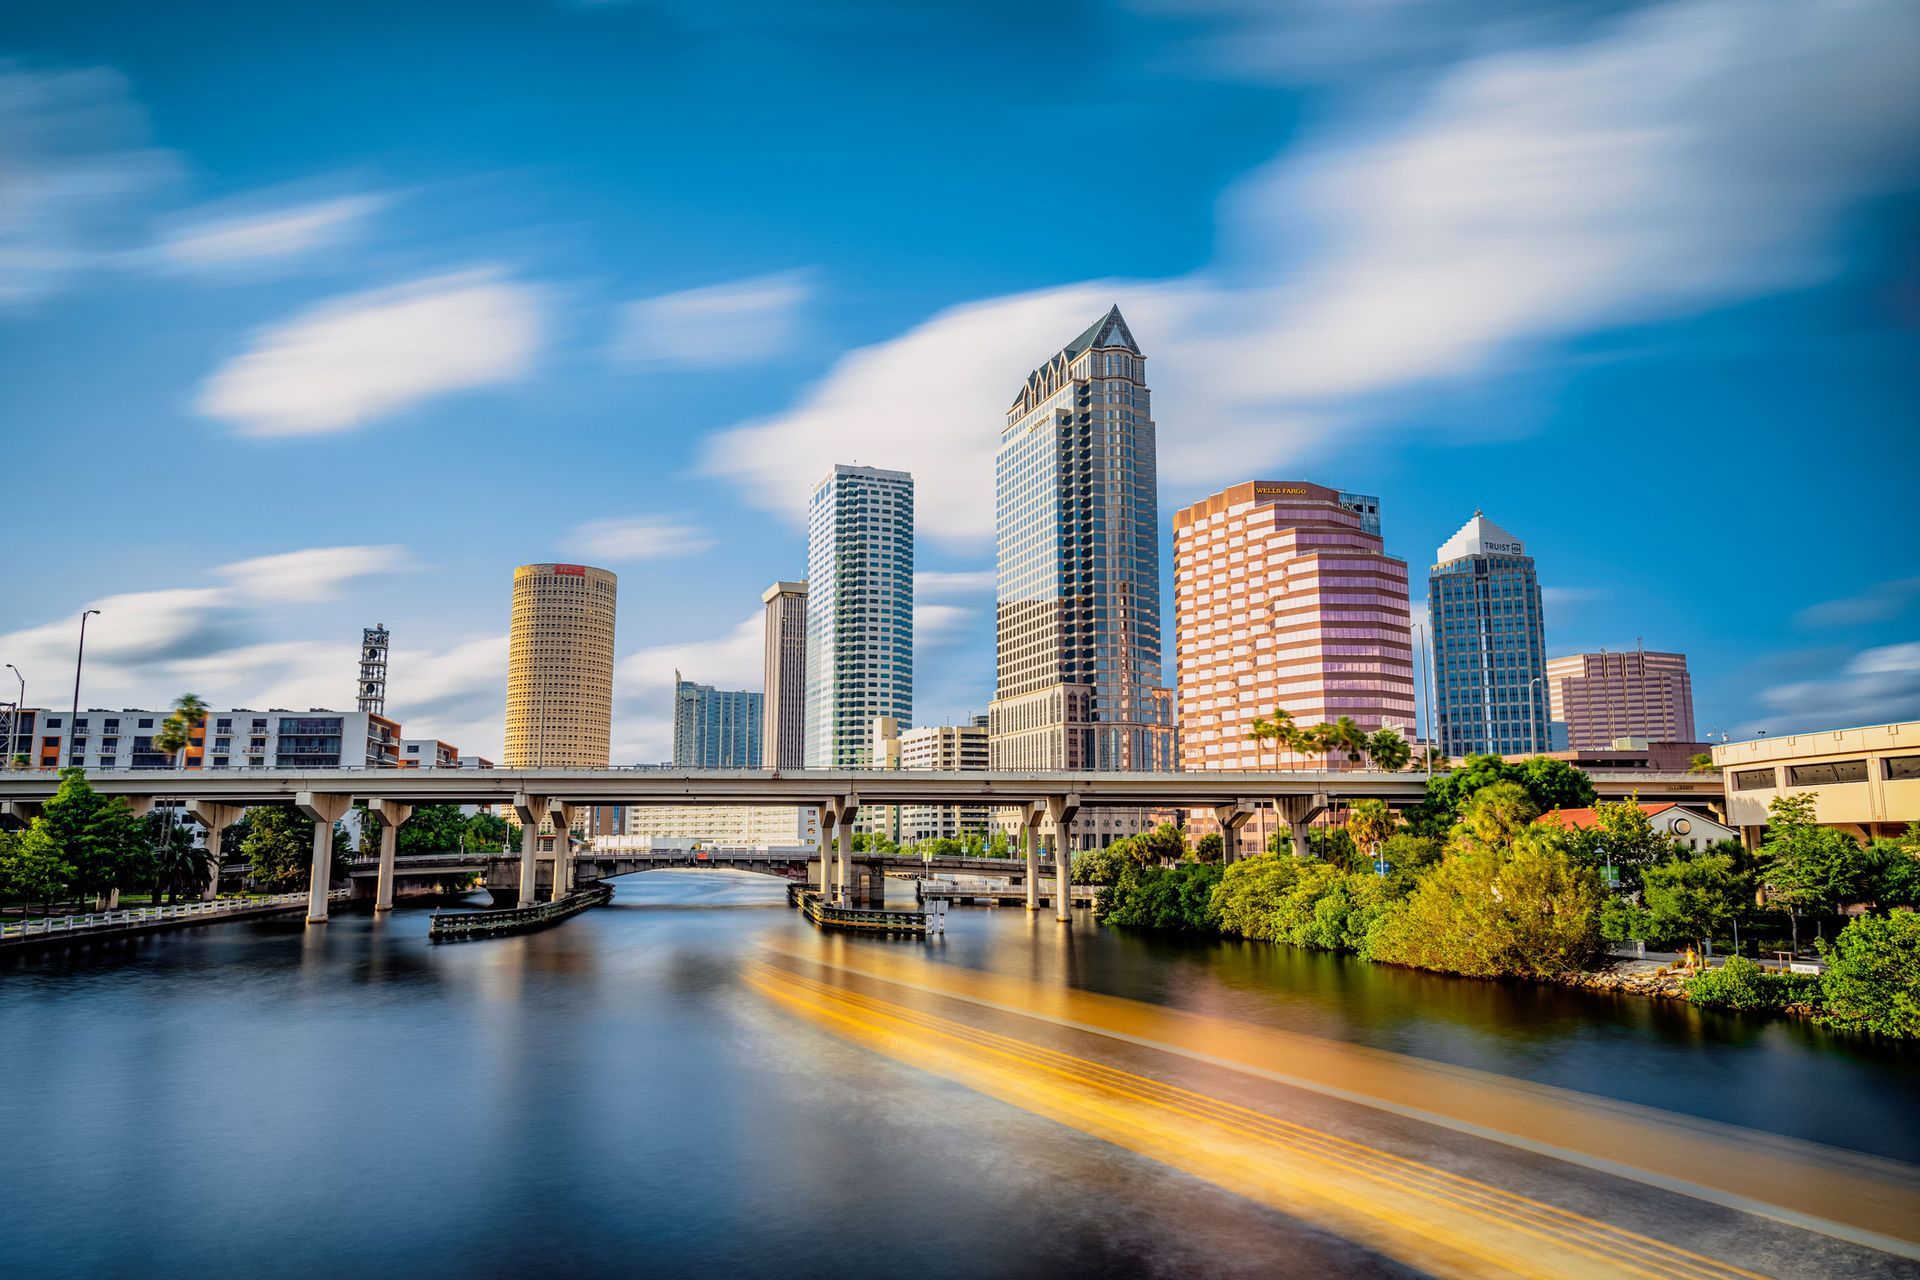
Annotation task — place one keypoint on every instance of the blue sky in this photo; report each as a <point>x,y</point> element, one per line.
<point>312,317</point>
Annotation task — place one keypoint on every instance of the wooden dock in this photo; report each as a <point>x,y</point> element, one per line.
<point>869,920</point>
<point>461,926</point>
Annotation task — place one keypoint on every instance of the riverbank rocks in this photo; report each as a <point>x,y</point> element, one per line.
<point>1638,978</point>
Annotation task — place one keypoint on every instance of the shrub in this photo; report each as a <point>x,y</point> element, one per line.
<point>1178,898</point>
<point>1872,982</point>
<point>1484,913</point>
<point>1250,893</point>
<point>1742,985</point>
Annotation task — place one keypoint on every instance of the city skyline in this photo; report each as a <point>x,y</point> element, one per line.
<point>1297,327</point>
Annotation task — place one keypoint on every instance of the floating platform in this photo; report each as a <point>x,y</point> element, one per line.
<point>903,924</point>
<point>461,926</point>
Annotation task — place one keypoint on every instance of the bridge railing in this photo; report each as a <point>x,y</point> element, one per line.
<point>147,915</point>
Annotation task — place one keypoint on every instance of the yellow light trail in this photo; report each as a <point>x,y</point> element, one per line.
<point>1439,1221</point>
<point>1860,1198</point>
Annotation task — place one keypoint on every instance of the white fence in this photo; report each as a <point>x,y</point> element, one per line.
<point>148,915</point>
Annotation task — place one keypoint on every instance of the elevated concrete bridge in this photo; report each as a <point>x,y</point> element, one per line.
<point>1045,803</point>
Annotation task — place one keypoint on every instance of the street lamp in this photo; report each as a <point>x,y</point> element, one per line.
<point>78,657</point>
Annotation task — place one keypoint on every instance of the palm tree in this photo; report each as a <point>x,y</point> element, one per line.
<point>1388,750</point>
<point>1276,728</point>
<point>179,865</point>
<point>176,732</point>
<point>1348,737</point>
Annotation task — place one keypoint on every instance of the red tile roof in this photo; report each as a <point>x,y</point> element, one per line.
<point>1584,819</point>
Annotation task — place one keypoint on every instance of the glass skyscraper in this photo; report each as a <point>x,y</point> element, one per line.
<point>714,728</point>
<point>1078,584</point>
<point>1489,644</point>
<point>859,612</point>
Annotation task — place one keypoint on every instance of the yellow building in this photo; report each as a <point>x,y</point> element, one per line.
<point>1865,780</point>
<point>560,667</point>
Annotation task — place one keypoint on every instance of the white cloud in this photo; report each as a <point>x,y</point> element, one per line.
<point>935,583</point>
<point>146,647</point>
<point>345,363</point>
<point>640,538</point>
<point>1876,686</point>
<point>1556,598</point>
<point>938,624</point>
<point>226,240</point>
<point>744,322</point>
<point>1696,153</point>
<point>76,174</point>
<point>1881,602</point>
<point>314,574</point>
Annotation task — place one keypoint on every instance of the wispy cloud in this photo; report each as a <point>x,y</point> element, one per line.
<point>744,322</point>
<point>244,237</point>
<point>1881,602</point>
<point>938,624</point>
<point>148,646</point>
<point>318,573</point>
<point>639,538</point>
<point>76,175</point>
<point>347,363</point>
<point>939,583</point>
<point>1876,686</point>
<point>1691,154</point>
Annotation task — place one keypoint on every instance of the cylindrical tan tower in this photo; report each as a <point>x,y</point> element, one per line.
<point>560,667</point>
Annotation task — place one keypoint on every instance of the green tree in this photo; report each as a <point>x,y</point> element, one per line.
<point>1387,750</point>
<point>100,838</point>
<point>1492,819</point>
<point>1872,982</point>
<point>1276,728</point>
<point>279,848</point>
<point>179,865</point>
<point>1370,822</point>
<point>1530,910</point>
<point>1693,897</point>
<point>1210,847</point>
<point>32,866</point>
<point>1700,762</point>
<point>1807,867</point>
<point>1165,843</point>
<point>1893,870</point>
<point>433,828</point>
<point>486,831</point>
<point>1177,898</point>
<point>1348,739</point>
<point>1549,783</point>
<point>1250,892</point>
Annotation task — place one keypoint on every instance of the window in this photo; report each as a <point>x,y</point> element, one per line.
<point>1903,768</point>
<point>1753,780</point>
<point>1820,775</point>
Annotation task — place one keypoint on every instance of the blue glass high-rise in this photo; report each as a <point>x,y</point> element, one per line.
<point>1489,644</point>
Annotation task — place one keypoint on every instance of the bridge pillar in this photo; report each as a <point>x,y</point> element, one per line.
<point>325,810</point>
<point>1231,818</point>
<point>846,809</point>
<point>18,813</point>
<point>531,810</point>
<point>562,818</point>
<point>393,816</point>
<point>1030,816</point>
<point>216,818</point>
<point>1062,810</point>
<point>1297,812</point>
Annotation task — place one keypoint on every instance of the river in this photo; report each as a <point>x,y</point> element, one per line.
<point>691,1081</point>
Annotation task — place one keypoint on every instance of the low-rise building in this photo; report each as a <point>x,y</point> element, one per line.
<point>1865,780</point>
<point>948,748</point>
<point>1687,826</point>
<point>318,738</point>
<point>428,753</point>
<point>773,825</point>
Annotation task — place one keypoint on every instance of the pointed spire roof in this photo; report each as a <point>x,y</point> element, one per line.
<point>1109,330</point>
<point>1479,537</point>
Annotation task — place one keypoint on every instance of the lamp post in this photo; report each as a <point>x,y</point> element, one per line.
<point>78,657</point>
<point>13,725</point>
